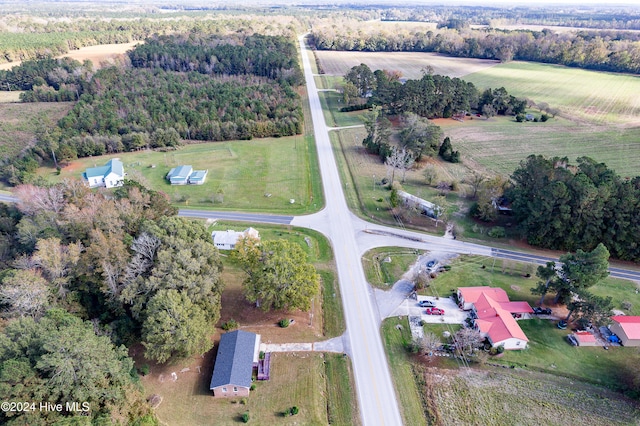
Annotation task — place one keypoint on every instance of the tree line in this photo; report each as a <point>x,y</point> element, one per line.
<point>614,51</point>
<point>566,207</point>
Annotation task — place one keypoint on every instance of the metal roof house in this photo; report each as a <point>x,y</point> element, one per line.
<point>179,175</point>
<point>238,353</point>
<point>109,176</point>
<point>227,240</point>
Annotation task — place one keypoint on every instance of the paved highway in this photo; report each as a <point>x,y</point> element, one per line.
<point>242,217</point>
<point>376,394</point>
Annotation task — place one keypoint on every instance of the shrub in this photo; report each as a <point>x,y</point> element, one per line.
<point>245,417</point>
<point>520,118</point>
<point>447,267</point>
<point>626,305</point>
<point>243,401</point>
<point>294,410</point>
<point>253,387</point>
<point>230,325</point>
<point>497,232</point>
<point>261,355</point>
<point>284,323</point>
<point>544,117</point>
<point>500,349</point>
<point>144,370</point>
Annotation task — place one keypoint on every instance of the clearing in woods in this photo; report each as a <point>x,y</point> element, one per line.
<point>96,54</point>
<point>410,64</point>
<point>19,122</point>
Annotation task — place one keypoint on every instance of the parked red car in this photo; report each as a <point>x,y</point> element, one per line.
<point>435,311</point>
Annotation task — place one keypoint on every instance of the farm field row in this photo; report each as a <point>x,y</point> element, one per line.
<point>596,97</point>
<point>500,143</point>
<point>257,175</point>
<point>411,65</point>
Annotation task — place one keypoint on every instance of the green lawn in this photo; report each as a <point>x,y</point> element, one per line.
<point>395,333</point>
<point>242,172</point>
<point>593,96</point>
<point>383,274</point>
<point>331,104</point>
<point>342,407</point>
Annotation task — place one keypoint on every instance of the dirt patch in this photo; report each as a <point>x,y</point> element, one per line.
<point>515,287</point>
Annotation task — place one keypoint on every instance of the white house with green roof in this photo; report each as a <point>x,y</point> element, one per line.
<point>109,176</point>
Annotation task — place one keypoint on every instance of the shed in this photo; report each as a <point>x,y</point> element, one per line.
<point>585,338</point>
<point>238,353</point>
<point>627,328</point>
<point>198,177</point>
<point>179,175</point>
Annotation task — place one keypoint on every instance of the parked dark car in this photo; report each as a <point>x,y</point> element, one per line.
<point>426,304</point>
<point>542,311</point>
<point>435,311</point>
<point>431,264</point>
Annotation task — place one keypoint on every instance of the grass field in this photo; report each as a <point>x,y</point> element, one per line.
<point>245,172</point>
<point>395,333</point>
<point>382,274</point>
<point>301,379</point>
<point>499,144</point>
<point>591,96</point>
<point>319,384</point>
<point>13,96</point>
<point>410,64</point>
<point>331,104</point>
<point>504,397</point>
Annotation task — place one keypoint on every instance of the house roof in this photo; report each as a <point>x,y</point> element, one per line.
<point>234,361</point>
<point>226,237</point>
<point>630,324</point>
<point>472,294</point>
<point>500,326</point>
<point>180,172</point>
<point>113,166</point>
<point>493,311</point>
<point>198,175</point>
<point>232,237</point>
<point>584,337</point>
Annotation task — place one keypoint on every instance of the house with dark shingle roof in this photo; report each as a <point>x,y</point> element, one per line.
<point>238,354</point>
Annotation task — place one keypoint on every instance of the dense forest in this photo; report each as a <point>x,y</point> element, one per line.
<point>190,87</point>
<point>85,272</point>
<point>599,50</point>
<point>566,207</point>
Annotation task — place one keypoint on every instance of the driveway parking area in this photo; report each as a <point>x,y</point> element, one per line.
<point>452,314</point>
